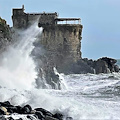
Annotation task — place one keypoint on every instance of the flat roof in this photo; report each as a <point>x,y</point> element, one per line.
<point>67,19</point>
<point>42,13</point>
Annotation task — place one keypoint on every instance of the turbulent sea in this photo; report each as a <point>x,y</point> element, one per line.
<point>83,96</point>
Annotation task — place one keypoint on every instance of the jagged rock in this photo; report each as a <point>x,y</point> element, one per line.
<point>106,65</point>
<point>102,65</point>
<point>110,62</point>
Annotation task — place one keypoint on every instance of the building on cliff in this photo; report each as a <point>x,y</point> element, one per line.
<point>61,37</point>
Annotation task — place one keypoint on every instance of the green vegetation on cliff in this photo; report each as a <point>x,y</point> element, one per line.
<point>4,29</point>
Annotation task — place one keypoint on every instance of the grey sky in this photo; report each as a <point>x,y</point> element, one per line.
<point>100,20</point>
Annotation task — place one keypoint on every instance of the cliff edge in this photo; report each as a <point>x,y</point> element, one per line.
<point>5,34</point>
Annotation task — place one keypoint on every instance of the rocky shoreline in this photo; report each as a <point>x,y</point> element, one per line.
<point>8,111</point>
<point>85,65</point>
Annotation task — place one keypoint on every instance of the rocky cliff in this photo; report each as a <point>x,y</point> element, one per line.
<point>102,65</point>
<point>5,34</point>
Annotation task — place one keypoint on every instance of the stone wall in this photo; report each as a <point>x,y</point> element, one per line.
<point>23,20</point>
<point>62,43</point>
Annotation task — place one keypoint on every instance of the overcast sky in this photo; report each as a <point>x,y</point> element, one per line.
<point>100,20</point>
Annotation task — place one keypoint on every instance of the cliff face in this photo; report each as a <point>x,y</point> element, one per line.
<point>62,43</point>
<point>5,34</point>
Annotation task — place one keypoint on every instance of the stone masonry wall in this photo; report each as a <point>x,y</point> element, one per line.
<point>62,43</point>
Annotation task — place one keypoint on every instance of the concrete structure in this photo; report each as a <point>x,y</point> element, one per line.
<point>61,41</point>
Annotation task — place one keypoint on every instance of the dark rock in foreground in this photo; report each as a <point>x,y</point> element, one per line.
<point>7,111</point>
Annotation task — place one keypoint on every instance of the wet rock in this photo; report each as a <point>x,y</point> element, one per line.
<point>33,111</point>
<point>116,68</point>
<point>101,67</point>
<point>2,118</point>
<point>50,118</point>
<point>39,115</point>
<point>45,112</point>
<point>36,114</point>
<point>110,62</point>
<point>18,109</point>
<point>6,104</point>
<point>26,109</point>
<point>10,118</point>
<point>12,109</point>
<point>31,117</point>
<point>69,118</point>
<point>58,116</point>
<point>106,65</point>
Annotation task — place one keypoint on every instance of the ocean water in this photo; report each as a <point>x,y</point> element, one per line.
<point>83,97</point>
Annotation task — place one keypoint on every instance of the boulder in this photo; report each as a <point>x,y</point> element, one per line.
<point>12,109</point>
<point>44,112</point>
<point>58,116</point>
<point>110,62</point>
<point>18,109</point>
<point>106,65</point>
<point>7,111</point>
<point>101,67</point>
<point>6,104</point>
<point>26,109</point>
<point>116,68</point>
